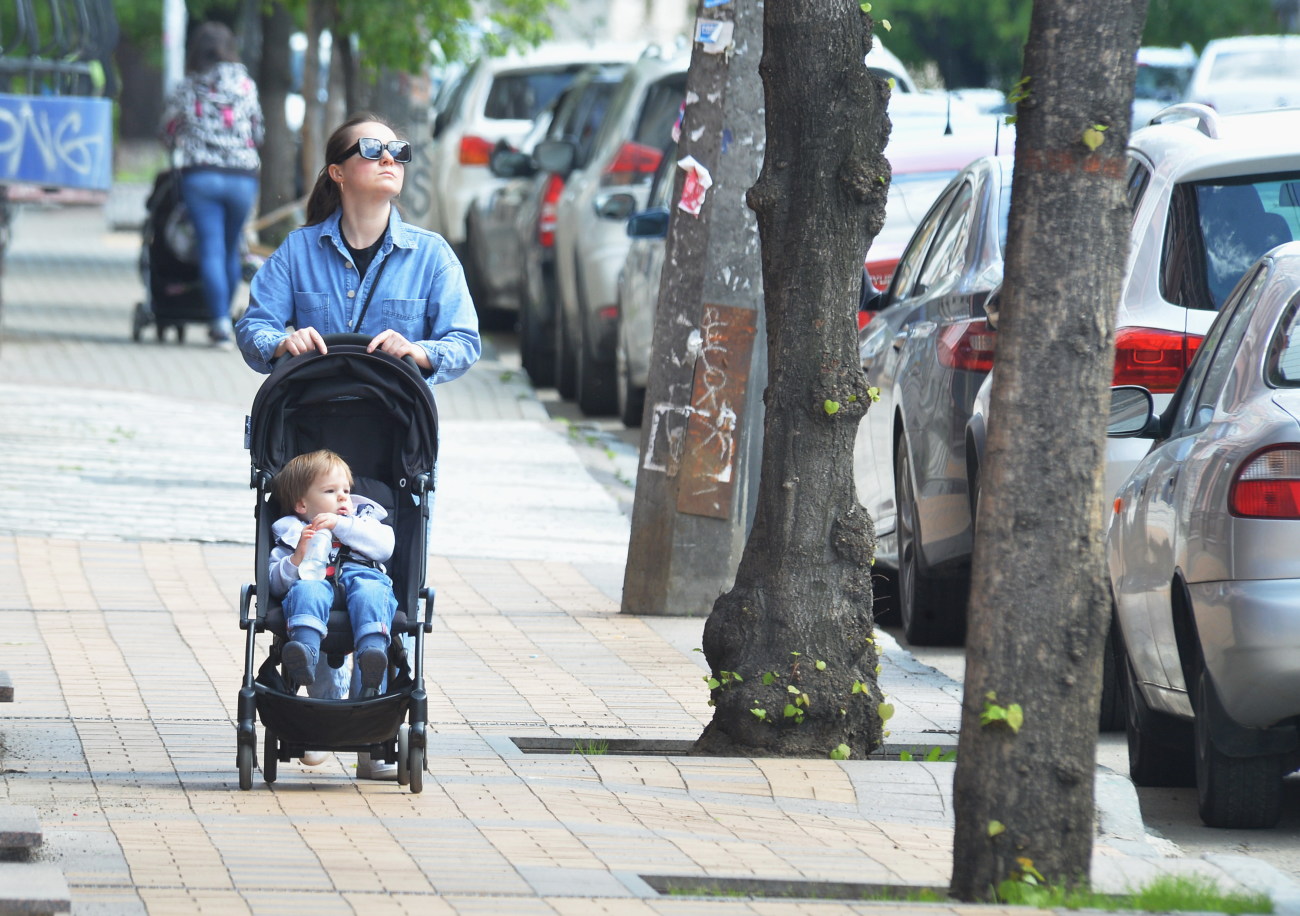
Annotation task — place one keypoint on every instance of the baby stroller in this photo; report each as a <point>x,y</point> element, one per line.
<point>378,413</point>
<point>168,264</point>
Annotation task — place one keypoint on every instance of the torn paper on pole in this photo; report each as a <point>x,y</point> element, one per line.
<point>714,34</point>
<point>698,180</point>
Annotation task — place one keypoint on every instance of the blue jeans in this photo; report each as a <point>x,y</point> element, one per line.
<point>370,599</point>
<point>219,204</point>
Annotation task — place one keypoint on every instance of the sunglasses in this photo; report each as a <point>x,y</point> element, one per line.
<point>372,148</point>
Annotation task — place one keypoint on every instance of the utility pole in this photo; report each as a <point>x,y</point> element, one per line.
<point>701,438</point>
<point>174,21</point>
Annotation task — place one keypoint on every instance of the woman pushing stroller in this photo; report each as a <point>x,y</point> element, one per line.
<point>356,267</point>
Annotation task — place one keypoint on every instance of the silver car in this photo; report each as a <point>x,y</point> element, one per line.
<point>1203,558</point>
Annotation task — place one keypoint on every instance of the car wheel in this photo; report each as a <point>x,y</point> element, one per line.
<point>595,382</point>
<point>1238,792</point>
<point>1112,716</point>
<point>1160,751</point>
<point>932,608</point>
<point>566,368</point>
<point>536,344</point>
<point>631,398</point>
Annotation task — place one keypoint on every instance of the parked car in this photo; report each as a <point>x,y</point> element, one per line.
<point>927,350</point>
<point>886,65</point>
<point>577,121</point>
<point>933,137</point>
<point>590,232</point>
<point>638,291</point>
<point>1202,559</point>
<point>1162,78</point>
<point>496,99</point>
<point>1210,194</point>
<point>491,239</point>
<point>1247,73</point>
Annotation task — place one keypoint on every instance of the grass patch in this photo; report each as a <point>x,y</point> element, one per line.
<point>594,748</point>
<point>1166,894</point>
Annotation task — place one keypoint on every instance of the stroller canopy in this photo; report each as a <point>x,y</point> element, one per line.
<point>375,410</point>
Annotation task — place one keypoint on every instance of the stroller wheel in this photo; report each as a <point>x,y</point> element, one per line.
<point>416,770</point>
<point>140,319</point>
<point>270,757</point>
<point>403,748</point>
<point>245,759</point>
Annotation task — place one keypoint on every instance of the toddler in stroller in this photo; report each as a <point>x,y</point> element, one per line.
<point>376,414</point>
<point>318,486</point>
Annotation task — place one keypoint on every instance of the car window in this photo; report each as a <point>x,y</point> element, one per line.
<point>661,188</point>
<point>663,100</point>
<point>1284,350</point>
<point>909,265</point>
<point>1213,362</point>
<point>1139,178</point>
<point>590,115</point>
<point>451,111</point>
<point>948,252</point>
<point>520,96</point>
<point>1217,229</point>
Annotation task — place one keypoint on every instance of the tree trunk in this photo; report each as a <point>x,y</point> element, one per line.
<point>273,81</point>
<point>1039,605</point>
<point>797,624</point>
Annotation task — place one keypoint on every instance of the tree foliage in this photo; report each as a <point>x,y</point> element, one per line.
<point>981,44</point>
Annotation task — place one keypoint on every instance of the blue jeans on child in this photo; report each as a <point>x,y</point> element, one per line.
<point>219,203</point>
<point>370,599</point>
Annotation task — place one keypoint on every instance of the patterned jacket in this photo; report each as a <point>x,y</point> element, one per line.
<point>214,119</point>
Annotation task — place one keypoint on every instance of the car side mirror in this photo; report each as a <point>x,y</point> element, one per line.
<point>508,163</point>
<point>1132,413</point>
<point>555,156</point>
<point>617,207</point>
<point>648,224</point>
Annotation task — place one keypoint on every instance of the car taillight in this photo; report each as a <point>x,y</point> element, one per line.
<point>1267,485</point>
<point>1154,359</point>
<point>548,211</point>
<point>475,150</point>
<point>967,345</point>
<point>634,163</point>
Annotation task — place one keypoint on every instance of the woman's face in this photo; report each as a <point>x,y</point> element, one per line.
<point>359,177</point>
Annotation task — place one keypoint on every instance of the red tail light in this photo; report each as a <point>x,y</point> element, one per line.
<point>1154,359</point>
<point>967,345</point>
<point>549,211</point>
<point>475,150</point>
<point>1268,485</point>
<point>633,164</point>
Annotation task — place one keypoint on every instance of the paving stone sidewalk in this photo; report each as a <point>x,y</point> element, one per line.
<point>123,546</point>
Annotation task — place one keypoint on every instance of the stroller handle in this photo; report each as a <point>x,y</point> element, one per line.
<point>354,340</point>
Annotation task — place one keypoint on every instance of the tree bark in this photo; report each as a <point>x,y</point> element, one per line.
<point>273,81</point>
<point>1039,605</point>
<point>797,624</point>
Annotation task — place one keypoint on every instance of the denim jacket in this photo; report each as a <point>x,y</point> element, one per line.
<point>310,281</point>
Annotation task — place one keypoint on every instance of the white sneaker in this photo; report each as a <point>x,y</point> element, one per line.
<point>314,758</point>
<point>374,769</point>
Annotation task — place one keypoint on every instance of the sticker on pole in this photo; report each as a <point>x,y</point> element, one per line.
<point>714,34</point>
<point>698,181</point>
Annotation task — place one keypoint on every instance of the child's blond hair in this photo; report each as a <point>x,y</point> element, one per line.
<point>296,477</point>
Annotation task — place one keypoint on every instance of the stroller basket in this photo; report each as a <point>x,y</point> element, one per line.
<point>303,721</point>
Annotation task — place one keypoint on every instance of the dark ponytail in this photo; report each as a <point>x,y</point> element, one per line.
<point>325,197</point>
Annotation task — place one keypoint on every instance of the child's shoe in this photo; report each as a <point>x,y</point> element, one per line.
<point>299,662</point>
<point>373,662</point>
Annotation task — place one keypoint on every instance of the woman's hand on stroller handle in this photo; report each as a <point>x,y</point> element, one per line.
<point>302,340</point>
<point>394,344</point>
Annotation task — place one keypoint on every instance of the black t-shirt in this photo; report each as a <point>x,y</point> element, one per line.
<point>361,257</point>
